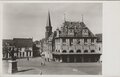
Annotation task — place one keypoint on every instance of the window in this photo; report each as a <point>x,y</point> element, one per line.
<point>92,51</point>
<point>23,53</point>
<point>86,51</point>
<point>85,40</point>
<point>92,40</point>
<point>78,41</point>
<point>71,42</point>
<point>71,30</point>
<point>64,40</point>
<point>20,54</point>
<point>85,32</point>
<point>99,48</point>
<point>71,51</point>
<point>30,54</point>
<point>64,51</point>
<point>78,51</point>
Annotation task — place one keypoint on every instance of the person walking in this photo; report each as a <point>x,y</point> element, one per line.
<point>42,61</point>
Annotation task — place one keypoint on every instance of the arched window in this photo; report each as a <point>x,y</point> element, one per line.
<point>85,51</point>
<point>64,51</point>
<point>71,51</point>
<point>92,51</point>
<point>78,51</point>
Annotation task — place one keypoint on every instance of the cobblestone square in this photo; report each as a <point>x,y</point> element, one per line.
<point>33,66</point>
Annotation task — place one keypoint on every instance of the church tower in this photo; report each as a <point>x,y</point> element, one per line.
<point>48,27</point>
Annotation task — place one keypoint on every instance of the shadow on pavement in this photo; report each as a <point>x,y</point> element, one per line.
<point>25,70</point>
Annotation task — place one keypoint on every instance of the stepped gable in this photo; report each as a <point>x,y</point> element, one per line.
<point>75,28</point>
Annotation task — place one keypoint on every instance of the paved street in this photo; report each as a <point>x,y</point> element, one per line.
<point>33,66</point>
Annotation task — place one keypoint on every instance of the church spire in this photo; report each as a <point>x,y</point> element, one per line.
<point>48,20</point>
<point>48,27</point>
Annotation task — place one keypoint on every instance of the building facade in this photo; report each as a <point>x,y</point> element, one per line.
<point>99,44</point>
<point>72,42</point>
<point>23,47</point>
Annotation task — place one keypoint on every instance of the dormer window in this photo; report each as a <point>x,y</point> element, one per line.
<point>85,32</point>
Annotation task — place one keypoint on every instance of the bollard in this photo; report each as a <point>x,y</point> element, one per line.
<point>12,66</point>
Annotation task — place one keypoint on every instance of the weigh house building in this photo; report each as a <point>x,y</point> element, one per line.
<point>74,42</point>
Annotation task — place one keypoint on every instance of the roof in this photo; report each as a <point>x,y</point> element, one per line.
<point>23,42</point>
<point>8,42</point>
<point>76,29</point>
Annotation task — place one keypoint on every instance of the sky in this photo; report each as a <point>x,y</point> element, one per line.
<point>28,20</point>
